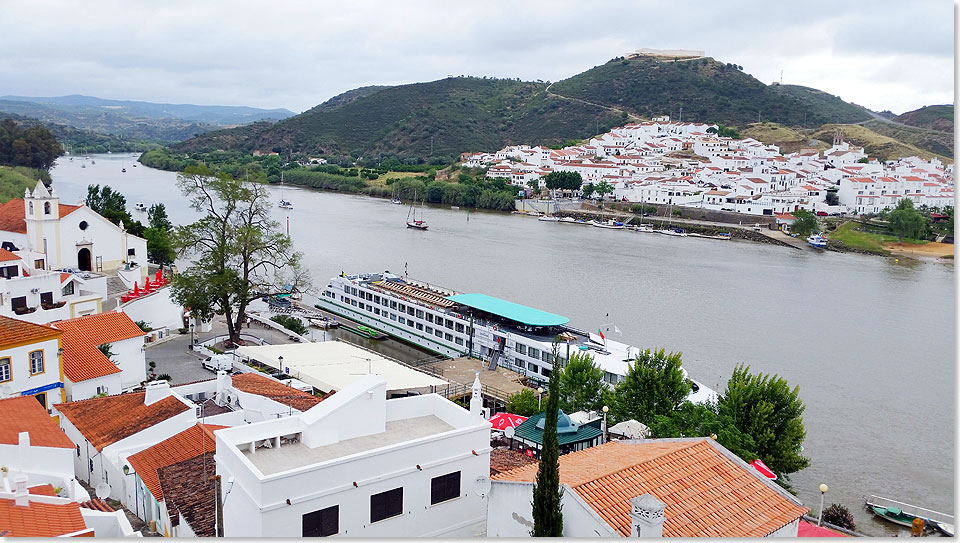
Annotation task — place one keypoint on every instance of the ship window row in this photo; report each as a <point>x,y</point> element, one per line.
<point>410,310</point>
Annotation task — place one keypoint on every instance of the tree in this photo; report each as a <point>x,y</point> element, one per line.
<point>588,190</point>
<point>839,515</point>
<point>563,180</point>
<point>241,253</point>
<point>806,222</point>
<point>654,385</point>
<point>30,146</point>
<point>523,403</point>
<point>765,408</point>
<point>534,185</point>
<point>159,243</point>
<point>105,200</point>
<point>157,217</point>
<point>604,188</point>
<point>906,222</point>
<point>832,198</point>
<point>547,494</point>
<point>702,420</point>
<point>581,383</point>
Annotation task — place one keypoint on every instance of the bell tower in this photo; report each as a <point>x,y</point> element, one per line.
<point>42,215</point>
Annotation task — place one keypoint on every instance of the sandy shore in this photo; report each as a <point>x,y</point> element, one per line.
<point>932,249</point>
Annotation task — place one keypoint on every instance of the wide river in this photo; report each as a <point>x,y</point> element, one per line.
<point>869,341</point>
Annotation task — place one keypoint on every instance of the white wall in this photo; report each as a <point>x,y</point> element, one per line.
<point>88,389</point>
<point>22,380</point>
<point>131,359</point>
<point>510,513</point>
<point>157,309</point>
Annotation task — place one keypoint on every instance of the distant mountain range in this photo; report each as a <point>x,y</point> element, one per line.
<point>443,118</point>
<point>135,120</point>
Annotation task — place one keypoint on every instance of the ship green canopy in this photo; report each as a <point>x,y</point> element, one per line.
<point>509,310</point>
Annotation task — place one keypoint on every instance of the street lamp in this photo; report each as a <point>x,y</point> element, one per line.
<point>823,490</point>
<point>192,328</point>
<point>605,409</point>
<point>539,395</point>
<point>280,359</point>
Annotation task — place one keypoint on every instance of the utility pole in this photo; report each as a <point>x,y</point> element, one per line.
<point>681,115</point>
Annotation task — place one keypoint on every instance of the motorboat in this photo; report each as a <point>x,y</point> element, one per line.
<point>284,204</point>
<point>817,240</point>
<point>396,201</point>
<point>549,218</point>
<point>644,228</point>
<point>679,232</point>
<point>324,322</point>
<point>139,206</point>
<point>610,224</point>
<point>568,219</point>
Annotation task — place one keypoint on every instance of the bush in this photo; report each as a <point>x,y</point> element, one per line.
<point>677,212</point>
<point>636,208</point>
<point>839,515</point>
<point>290,323</point>
<point>164,377</point>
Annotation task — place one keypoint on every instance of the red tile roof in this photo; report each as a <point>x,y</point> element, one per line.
<point>40,519</point>
<point>278,392</point>
<point>82,359</point>
<point>505,460</point>
<point>17,332</point>
<point>42,490</point>
<point>13,215</point>
<point>97,505</point>
<point>707,494</point>
<point>191,442</point>
<point>25,414</point>
<point>107,420</point>
<point>189,490</point>
<point>7,256</point>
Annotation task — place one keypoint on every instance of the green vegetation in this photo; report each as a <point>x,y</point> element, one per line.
<point>839,515</point>
<point>160,248</point>
<point>241,252</point>
<point>107,350</point>
<point>829,108</point>
<point>523,403</point>
<point>874,144</point>
<point>112,206</point>
<point>767,409</point>
<point>940,143</point>
<point>581,384</point>
<point>849,236</point>
<point>724,132</point>
<point>789,140</point>
<point>291,323</point>
<point>143,325</point>
<point>14,180</point>
<point>547,494</point>
<point>701,420</point>
<point>870,239</point>
<point>805,224</point>
<point>654,385</point>
<point>906,222</point>
<point>563,181</point>
<point>930,117</point>
<point>30,146</point>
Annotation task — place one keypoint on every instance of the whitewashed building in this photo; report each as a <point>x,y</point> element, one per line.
<point>30,361</point>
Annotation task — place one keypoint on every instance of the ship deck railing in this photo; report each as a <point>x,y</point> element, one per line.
<point>914,510</point>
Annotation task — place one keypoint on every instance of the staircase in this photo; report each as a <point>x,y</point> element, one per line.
<point>495,357</point>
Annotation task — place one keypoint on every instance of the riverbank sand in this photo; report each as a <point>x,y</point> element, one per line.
<point>932,249</point>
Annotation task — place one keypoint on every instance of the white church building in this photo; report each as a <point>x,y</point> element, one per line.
<point>68,236</point>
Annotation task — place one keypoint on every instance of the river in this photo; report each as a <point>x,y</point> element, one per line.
<point>869,341</point>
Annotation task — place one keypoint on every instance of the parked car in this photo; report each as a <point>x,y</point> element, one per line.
<point>822,213</point>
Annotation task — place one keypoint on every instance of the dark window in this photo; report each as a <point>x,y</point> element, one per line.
<point>386,504</point>
<point>445,487</point>
<point>322,523</point>
<point>42,398</point>
<point>46,298</point>
<point>18,302</point>
<point>131,251</point>
<point>38,263</point>
<point>83,225</point>
<point>9,271</point>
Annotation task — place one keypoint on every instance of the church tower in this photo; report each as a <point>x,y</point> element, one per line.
<point>42,215</point>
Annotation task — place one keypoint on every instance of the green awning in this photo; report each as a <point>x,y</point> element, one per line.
<point>528,431</point>
<point>509,310</point>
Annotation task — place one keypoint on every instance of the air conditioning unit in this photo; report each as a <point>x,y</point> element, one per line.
<point>34,290</point>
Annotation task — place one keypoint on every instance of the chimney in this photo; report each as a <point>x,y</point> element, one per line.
<point>20,495</point>
<point>156,391</point>
<point>476,397</point>
<point>224,382</point>
<point>646,516</point>
<point>24,439</point>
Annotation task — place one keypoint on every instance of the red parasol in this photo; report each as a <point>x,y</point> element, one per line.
<point>136,289</point>
<point>763,469</point>
<point>146,284</point>
<point>502,421</point>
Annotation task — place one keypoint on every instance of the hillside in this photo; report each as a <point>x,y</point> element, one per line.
<point>707,90</point>
<point>876,145</point>
<point>440,119</point>
<point>345,98</point>
<point>15,179</point>
<point>940,143</point>
<point>786,138</point>
<point>929,117</point>
<point>75,140</point>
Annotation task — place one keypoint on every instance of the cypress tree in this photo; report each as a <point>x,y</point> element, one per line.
<point>547,516</point>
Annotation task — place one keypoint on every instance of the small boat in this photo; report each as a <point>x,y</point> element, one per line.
<point>124,170</point>
<point>610,224</point>
<point>82,165</point>
<point>549,218</point>
<point>418,225</point>
<point>323,322</point>
<point>134,165</point>
<point>396,201</point>
<point>454,207</point>
<point>567,219</point>
<point>903,514</point>
<point>723,235</point>
<point>679,232</point>
<point>894,515</point>
<point>284,204</point>
<point>817,240</point>
<point>412,220</point>
<point>139,206</point>
<point>644,228</point>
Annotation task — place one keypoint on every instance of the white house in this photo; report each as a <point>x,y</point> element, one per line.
<point>88,370</point>
<point>650,488</point>
<point>28,291</point>
<point>30,361</point>
<point>68,236</point>
<point>358,465</point>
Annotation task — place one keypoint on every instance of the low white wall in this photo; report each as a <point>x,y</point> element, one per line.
<point>156,309</point>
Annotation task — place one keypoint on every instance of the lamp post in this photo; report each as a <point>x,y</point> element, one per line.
<point>605,409</point>
<point>823,490</point>
<point>280,359</point>
<point>539,396</point>
<point>193,326</point>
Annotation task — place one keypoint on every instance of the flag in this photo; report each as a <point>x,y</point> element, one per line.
<point>617,330</point>
<point>600,333</point>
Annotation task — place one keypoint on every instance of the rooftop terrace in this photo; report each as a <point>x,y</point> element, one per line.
<point>509,310</point>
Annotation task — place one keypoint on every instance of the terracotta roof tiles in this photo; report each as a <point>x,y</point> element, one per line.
<point>191,442</point>
<point>706,493</point>
<point>107,420</point>
<point>25,414</point>
<point>15,332</point>
<point>40,519</point>
<point>102,327</point>
<point>189,490</point>
<point>278,392</point>
<point>82,359</point>
<point>7,256</point>
<point>13,215</point>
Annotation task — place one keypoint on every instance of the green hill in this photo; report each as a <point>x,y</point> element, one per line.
<point>15,179</point>
<point>929,117</point>
<point>826,106</point>
<point>874,144</point>
<point>940,143</point>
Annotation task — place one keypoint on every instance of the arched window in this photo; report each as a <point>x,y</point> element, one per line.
<point>46,208</point>
<point>31,208</point>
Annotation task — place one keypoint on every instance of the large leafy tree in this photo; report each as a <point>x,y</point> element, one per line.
<point>581,384</point>
<point>30,146</point>
<point>547,494</point>
<point>603,188</point>
<point>240,251</point>
<point>654,385</point>
<point>906,222</point>
<point>112,205</point>
<point>159,243</point>
<point>806,222</point>
<point>523,403</point>
<point>702,420</point>
<point>766,408</point>
<point>563,180</point>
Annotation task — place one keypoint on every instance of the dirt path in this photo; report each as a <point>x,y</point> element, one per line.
<point>629,115</point>
<point>932,249</point>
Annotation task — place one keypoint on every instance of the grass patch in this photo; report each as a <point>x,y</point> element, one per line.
<point>382,181</point>
<point>14,179</point>
<point>874,144</point>
<point>850,236</point>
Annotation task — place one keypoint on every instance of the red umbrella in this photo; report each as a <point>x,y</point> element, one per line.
<point>136,289</point>
<point>763,469</point>
<point>159,277</point>
<point>146,285</point>
<point>502,421</point>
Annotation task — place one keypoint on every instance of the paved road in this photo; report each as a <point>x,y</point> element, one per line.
<point>883,119</point>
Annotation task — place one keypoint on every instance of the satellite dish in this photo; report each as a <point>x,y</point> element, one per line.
<point>481,485</point>
<point>509,432</point>
<point>103,491</point>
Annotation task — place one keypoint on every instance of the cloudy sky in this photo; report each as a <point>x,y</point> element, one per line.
<point>884,55</point>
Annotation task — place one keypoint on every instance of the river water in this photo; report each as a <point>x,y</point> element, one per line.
<point>869,341</point>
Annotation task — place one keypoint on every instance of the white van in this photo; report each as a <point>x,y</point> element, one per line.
<point>218,362</point>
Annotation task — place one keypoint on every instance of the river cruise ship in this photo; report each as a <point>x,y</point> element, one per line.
<point>500,332</point>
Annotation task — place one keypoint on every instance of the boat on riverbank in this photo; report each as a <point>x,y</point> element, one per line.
<point>903,514</point>
<point>452,324</point>
<point>548,218</point>
<point>609,224</point>
<point>679,232</point>
<point>644,228</point>
<point>323,322</point>
<point>817,240</point>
